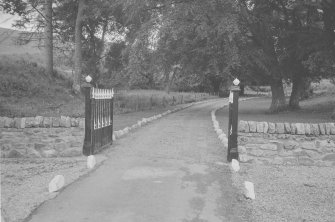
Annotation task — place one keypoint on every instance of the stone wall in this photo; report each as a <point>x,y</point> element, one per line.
<point>287,143</point>
<point>41,142</point>
<point>40,121</point>
<point>308,129</point>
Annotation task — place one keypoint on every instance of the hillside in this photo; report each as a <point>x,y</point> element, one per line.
<point>25,89</point>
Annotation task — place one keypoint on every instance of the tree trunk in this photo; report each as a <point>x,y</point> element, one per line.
<point>167,83</point>
<point>307,90</point>
<point>48,38</point>
<point>242,89</point>
<point>297,87</point>
<point>103,50</point>
<point>278,96</point>
<point>78,53</point>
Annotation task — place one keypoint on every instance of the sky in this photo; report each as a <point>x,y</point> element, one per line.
<point>6,20</point>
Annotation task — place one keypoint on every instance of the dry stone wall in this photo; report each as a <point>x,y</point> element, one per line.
<point>287,143</point>
<point>41,122</point>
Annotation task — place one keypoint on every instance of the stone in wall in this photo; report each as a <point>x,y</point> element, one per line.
<point>242,150</point>
<point>259,127</point>
<point>244,158</point>
<point>287,128</point>
<point>14,154</point>
<point>243,126</point>
<point>268,147</point>
<point>327,128</point>
<point>9,122</point>
<point>82,123</point>
<point>293,129</point>
<point>329,157</point>
<point>332,128</point>
<point>265,127</point>
<point>30,121</point>
<point>20,123</point>
<point>74,122</point>
<point>38,121</point>
<point>280,128</point>
<point>55,122</point>
<point>272,128</point>
<point>322,128</point>
<point>308,145</point>
<point>290,145</point>
<point>65,121</point>
<point>2,122</point>
<point>47,122</point>
<point>252,126</point>
<point>300,128</point>
<point>290,161</point>
<point>305,161</point>
<point>315,129</point>
<point>307,129</point>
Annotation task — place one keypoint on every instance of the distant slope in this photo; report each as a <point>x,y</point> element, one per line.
<point>11,43</point>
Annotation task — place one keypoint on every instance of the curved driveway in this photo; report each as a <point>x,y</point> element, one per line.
<point>171,170</point>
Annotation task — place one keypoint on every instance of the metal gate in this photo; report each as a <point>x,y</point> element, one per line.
<point>98,119</point>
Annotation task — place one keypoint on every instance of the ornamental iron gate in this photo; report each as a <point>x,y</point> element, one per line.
<point>98,119</point>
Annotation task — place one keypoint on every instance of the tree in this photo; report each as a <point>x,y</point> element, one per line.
<point>262,29</point>
<point>196,36</point>
<point>48,32</point>
<point>78,46</point>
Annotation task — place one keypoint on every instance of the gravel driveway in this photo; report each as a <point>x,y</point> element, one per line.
<point>170,170</point>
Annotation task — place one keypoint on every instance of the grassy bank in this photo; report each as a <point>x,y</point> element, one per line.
<point>25,90</point>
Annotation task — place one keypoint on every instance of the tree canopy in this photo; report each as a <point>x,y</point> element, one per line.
<point>195,44</point>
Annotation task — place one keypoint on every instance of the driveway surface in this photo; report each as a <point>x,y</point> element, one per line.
<point>171,170</point>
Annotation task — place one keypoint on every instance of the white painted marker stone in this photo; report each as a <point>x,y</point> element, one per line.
<point>249,191</point>
<point>235,165</point>
<point>91,162</point>
<point>56,183</point>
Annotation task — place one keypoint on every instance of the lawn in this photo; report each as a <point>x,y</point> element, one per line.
<point>317,109</point>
